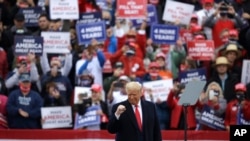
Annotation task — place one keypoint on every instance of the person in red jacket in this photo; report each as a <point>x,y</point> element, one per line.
<point>133,64</point>
<point>177,111</point>
<point>237,111</point>
<point>87,6</point>
<point>138,38</point>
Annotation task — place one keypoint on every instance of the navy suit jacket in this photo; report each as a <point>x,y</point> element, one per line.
<point>126,128</point>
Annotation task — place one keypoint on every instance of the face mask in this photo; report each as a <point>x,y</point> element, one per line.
<point>240,96</point>
<point>130,53</point>
<point>153,74</point>
<point>85,82</point>
<point>24,89</point>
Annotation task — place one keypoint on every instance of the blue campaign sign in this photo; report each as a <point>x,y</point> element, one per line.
<point>25,44</point>
<point>89,118</point>
<point>90,17</point>
<point>191,75</point>
<point>151,19</point>
<point>31,15</point>
<point>164,34</point>
<point>88,32</point>
<point>211,120</point>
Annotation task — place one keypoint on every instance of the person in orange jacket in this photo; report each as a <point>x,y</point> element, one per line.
<point>237,111</point>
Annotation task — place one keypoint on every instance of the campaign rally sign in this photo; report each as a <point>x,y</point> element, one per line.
<point>81,93</point>
<point>177,11</point>
<point>132,9</point>
<point>211,120</point>
<point>202,50</point>
<point>159,89</point>
<point>25,44</point>
<point>164,34</point>
<point>64,9</point>
<point>89,118</point>
<point>151,18</point>
<point>56,42</point>
<point>186,35</point>
<point>242,120</point>
<point>245,77</point>
<point>193,75</point>
<point>56,117</point>
<point>31,15</point>
<point>90,17</point>
<point>88,32</point>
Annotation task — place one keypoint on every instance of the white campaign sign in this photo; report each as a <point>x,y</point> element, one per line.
<point>56,117</point>
<point>81,92</point>
<point>245,77</point>
<point>56,42</point>
<point>64,9</point>
<point>177,11</point>
<point>160,89</point>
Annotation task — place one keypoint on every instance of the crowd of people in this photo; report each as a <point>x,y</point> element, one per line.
<point>30,82</point>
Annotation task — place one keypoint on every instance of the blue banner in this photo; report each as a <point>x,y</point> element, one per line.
<point>151,19</point>
<point>211,120</point>
<point>25,44</point>
<point>89,118</point>
<point>191,75</point>
<point>88,32</point>
<point>242,121</point>
<point>90,17</point>
<point>31,15</point>
<point>164,34</point>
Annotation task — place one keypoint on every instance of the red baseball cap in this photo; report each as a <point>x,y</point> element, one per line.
<point>160,55</point>
<point>208,1</point>
<point>96,88</point>
<point>21,59</point>
<point>240,87</point>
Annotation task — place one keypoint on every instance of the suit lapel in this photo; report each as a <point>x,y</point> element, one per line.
<point>131,114</point>
<point>144,111</point>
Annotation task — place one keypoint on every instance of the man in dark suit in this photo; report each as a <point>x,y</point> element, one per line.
<point>134,119</point>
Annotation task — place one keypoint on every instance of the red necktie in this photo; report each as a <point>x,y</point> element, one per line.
<point>138,117</point>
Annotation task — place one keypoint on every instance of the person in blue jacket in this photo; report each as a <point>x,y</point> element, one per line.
<point>24,106</point>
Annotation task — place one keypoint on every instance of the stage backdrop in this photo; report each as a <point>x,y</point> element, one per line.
<point>84,135</point>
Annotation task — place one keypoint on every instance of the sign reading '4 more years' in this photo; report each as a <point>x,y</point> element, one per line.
<point>132,8</point>
<point>56,117</point>
<point>88,32</point>
<point>164,34</point>
<point>25,44</point>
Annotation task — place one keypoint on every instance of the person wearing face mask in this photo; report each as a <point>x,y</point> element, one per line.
<point>237,111</point>
<point>133,64</point>
<point>63,83</point>
<point>86,79</point>
<point>223,18</point>
<point>203,14</point>
<point>24,106</point>
<point>24,64</point>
